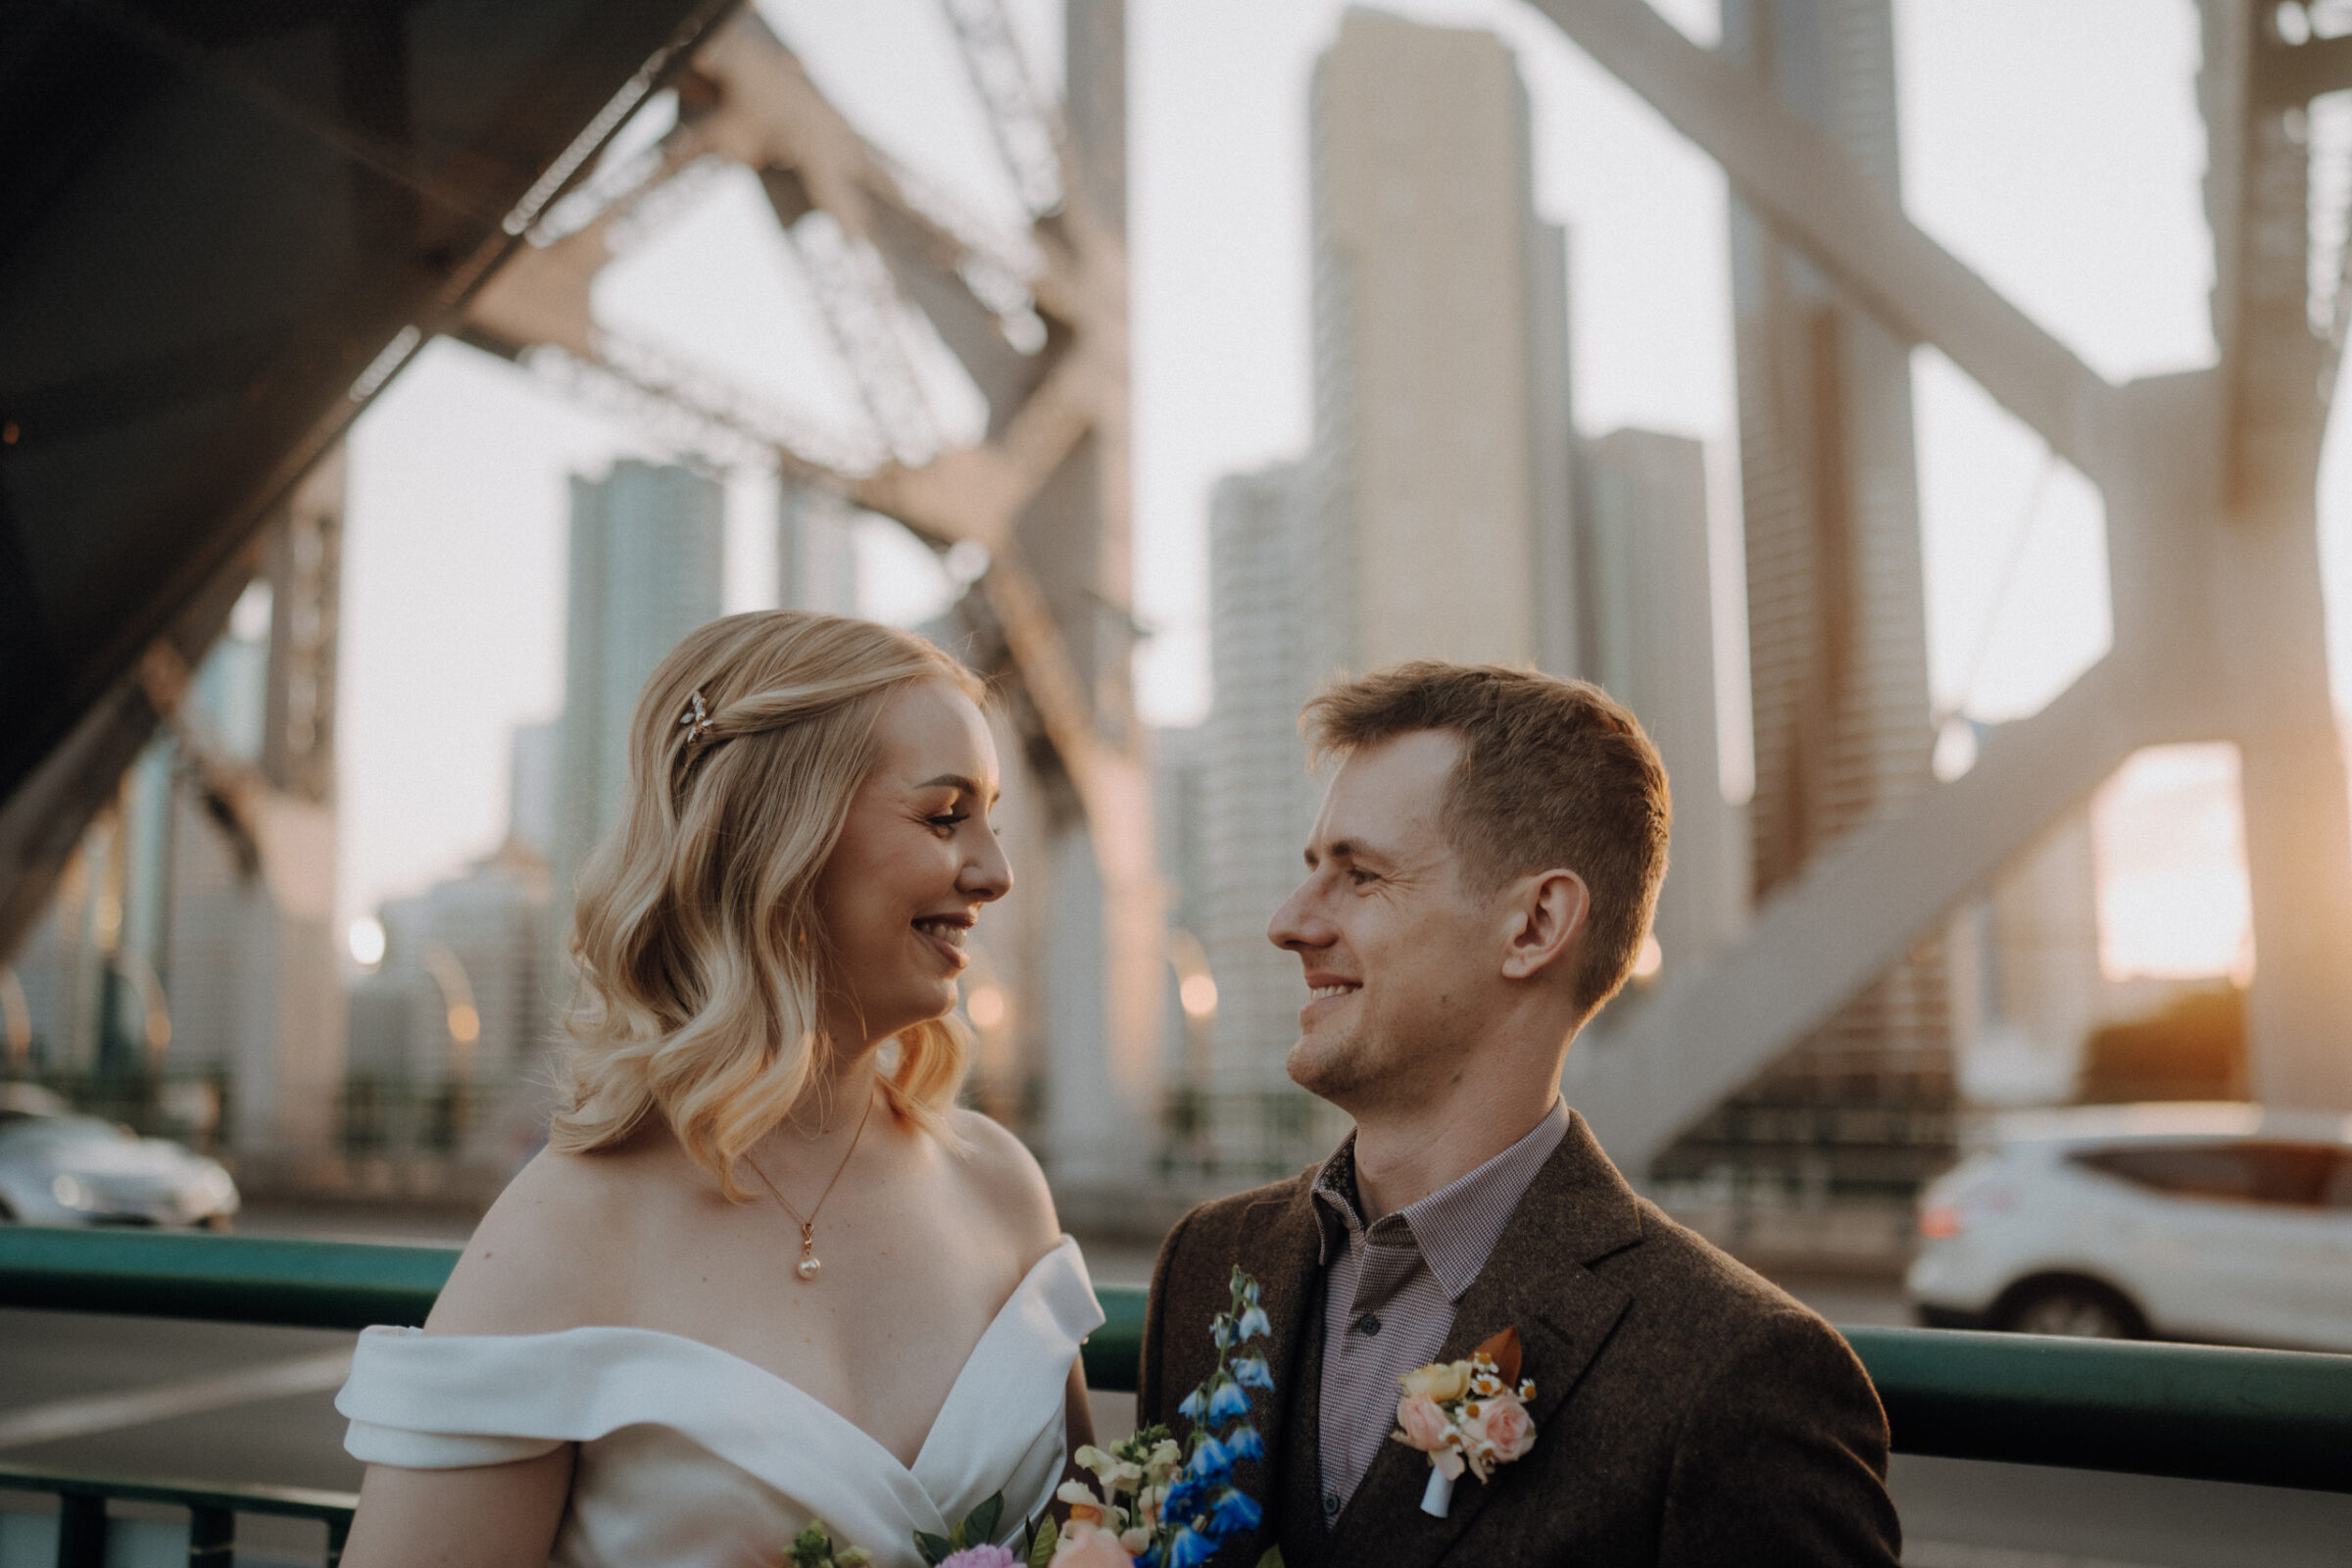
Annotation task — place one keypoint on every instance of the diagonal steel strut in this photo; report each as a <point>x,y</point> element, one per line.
<point>1812,192</point>
<point>1846,920</point>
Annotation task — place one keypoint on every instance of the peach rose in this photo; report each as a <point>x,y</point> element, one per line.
<point>1443,1382</point>
<point>1085,1547</point>
<point>1425,1425</point>
<point>1501,1430</point>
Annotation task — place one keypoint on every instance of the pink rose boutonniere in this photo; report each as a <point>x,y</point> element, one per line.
<point>1466,1415</point>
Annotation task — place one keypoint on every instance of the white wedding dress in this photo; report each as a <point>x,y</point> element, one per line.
<point>691,1457</point>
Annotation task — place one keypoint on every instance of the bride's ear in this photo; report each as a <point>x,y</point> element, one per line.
<point>1544,916</point>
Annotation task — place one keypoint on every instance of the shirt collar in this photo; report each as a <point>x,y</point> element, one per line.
<point>1457,1226</point>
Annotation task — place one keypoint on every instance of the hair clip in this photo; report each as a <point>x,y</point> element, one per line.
<point>696,720</point>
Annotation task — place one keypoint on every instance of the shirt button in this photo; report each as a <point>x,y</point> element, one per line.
<point>1369,1323</point>
<point>1330,1503</point>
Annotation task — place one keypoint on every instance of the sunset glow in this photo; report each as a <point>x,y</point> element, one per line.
<point>2171,851</point>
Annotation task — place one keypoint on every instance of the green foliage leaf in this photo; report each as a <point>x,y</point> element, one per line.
<point>979,1527</point>
<point>1272,1558</point>
<point>1044,1543</point>
<point>934,1549</point>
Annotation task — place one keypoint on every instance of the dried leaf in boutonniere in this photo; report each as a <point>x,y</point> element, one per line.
<point>1466,1415</point>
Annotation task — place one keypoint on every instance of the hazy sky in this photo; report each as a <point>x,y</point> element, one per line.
<point>2055,146</point>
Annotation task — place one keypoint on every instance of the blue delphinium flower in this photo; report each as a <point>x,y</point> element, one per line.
<point>1253,1321</point>
<point>1185,1497</point>
<point>1234,1512</point>
<point>1202,1508</point>
<point>1189,1549</point>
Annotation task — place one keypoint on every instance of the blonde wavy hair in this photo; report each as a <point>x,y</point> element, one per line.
<point>701,959</point>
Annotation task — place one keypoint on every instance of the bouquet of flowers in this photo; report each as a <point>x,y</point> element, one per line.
<point>1168,1505</point>
<point>1162,1504</point>
<point>814,1548</point>
<point>1466,1415</point>
<point>966,1545</point>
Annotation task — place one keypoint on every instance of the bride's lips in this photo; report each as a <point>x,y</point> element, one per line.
<point>946,933</point>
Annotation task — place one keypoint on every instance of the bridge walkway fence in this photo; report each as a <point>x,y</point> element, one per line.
<point>2278,1418</point>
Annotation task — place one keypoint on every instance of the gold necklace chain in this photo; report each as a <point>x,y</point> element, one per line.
<point>808,1267</point>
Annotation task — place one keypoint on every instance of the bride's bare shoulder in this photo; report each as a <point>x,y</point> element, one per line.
<point>544,1257</point>
<point>1005,1179</point>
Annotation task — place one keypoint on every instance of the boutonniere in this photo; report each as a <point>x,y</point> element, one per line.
<point>1466,1415</point>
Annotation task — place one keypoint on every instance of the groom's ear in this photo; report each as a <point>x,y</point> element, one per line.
<point>1544,915</point>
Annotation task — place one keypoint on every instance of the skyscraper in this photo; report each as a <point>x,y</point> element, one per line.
<point>816,557</point>
<point>1440,357</point>
<point>2027,985</point>
<point>647,544</point>
<point>447,1031</point>
<point>1836,618</point>
<point>1259,797</point>
<point>1432,518</point>
<point>1646,606</point>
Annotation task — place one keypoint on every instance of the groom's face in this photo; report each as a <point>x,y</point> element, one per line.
<point>1395,946</point>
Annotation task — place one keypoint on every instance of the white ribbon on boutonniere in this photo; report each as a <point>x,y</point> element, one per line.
<point>1466,1415</point>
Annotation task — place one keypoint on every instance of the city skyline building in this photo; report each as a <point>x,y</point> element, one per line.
<point>1442,416</point>
<point>816,548</point>
<point>450,1027</point>
<point>1646,612</point>
<point>2028,988</point>
<point>1430,517</point>
<point>1837,619</point>
<point>533,753</point>
<point>1257,797</point>
<point>464,954</point>
<point>1449,510</point>
<point>646,558</point>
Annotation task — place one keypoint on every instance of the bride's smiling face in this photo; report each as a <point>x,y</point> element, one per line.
<point>916,859</point>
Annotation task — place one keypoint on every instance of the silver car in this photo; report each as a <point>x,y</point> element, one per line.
<point>59,1168</point>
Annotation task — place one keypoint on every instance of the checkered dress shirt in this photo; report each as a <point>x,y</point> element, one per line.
<point>1390,1292</point>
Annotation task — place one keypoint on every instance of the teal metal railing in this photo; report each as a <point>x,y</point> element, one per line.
<point>2200,1412</point>
<point>82,1526</point>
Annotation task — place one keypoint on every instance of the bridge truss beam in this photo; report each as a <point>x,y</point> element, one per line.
<point>2209,480</point>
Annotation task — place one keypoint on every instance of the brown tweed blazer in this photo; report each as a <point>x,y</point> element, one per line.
<point>1687,1413</point>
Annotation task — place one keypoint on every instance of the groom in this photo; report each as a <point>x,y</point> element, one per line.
<point>1477,885</point>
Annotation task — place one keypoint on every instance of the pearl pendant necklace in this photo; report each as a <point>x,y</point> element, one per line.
<point>810,1266</point>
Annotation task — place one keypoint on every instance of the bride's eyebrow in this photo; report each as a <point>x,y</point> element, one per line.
<point>959,781</point>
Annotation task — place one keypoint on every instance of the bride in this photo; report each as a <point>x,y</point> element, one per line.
<point>765,1271</point>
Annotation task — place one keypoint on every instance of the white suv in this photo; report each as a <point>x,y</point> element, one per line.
<point>2215,1222</point>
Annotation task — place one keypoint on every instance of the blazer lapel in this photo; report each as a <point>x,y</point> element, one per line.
<point>1296,1502</point>
<point>1577,1210</point>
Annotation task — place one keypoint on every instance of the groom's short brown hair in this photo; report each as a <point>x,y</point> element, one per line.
<point>1553,773</point>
